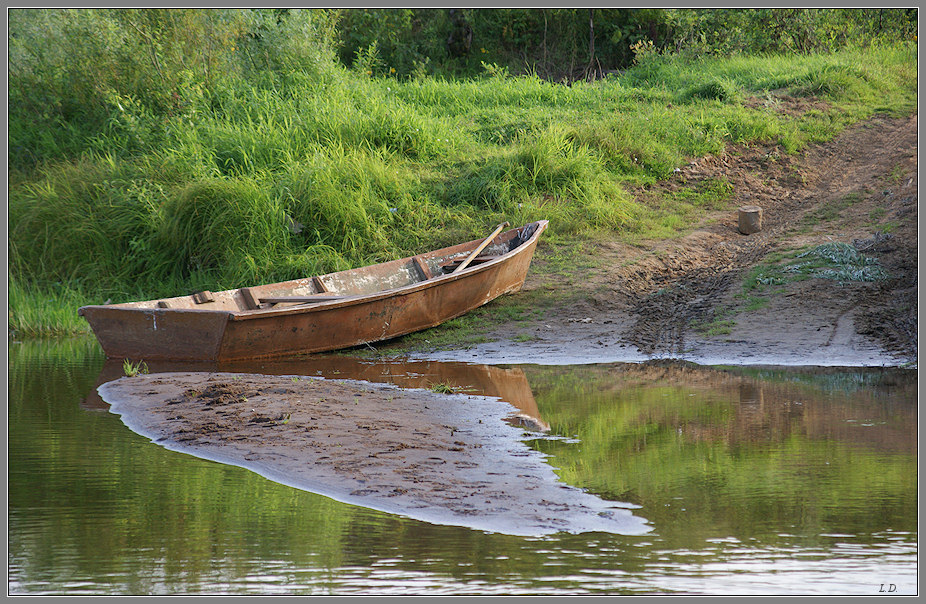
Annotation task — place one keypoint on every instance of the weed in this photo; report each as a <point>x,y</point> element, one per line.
<point>718,88</point>
<point>673,213</point>
<point>754,303</point>
<point>830,212</point>
<point>442,388</point>
<point>46,309</point>
<point>838,254</point>
<point>462,331</point>
<point>877,214</point>
<point>717,328</point>
<point>836,261</point>
<point>131,369</point>
<point>719,323</point>
<point>897,174</point>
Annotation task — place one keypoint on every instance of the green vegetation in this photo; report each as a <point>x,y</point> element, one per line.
<point>459,332</point>
<point>836,261</point>
<point>877,214</point>
<point>722,320</point>
<point>565,44</point>
<point>444,388</point>
<point>754,303</point>
<point>675,211</point>
<point>718,324</point>
<point>470,329</point>
<point>832,211</point>
<point>131,369</point>
<point>524,337</point>
<point>48,310</point>
<point>155,152</point>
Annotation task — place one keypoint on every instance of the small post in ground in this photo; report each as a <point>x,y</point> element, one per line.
<point>750,219</point>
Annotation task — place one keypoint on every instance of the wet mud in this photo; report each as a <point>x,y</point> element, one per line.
<point>442,458</point>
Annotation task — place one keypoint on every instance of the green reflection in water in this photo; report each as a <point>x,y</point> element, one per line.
<point>748,453</point>
<point>775,458</point>
<point>95,508</point>
<point>88,498</point>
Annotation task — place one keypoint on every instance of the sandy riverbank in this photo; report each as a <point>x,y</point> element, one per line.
<point>442,458</point>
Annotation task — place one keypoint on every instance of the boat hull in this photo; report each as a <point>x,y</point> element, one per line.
<point>194,334</point>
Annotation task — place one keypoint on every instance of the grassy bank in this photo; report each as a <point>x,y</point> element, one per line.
<point>274,178</point>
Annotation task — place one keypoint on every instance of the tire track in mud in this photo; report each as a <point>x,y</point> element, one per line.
<point>662,318</point>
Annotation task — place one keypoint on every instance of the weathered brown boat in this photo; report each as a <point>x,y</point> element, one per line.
<point>320,313</point>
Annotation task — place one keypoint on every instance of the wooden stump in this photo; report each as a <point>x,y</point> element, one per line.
<point>750,220</point>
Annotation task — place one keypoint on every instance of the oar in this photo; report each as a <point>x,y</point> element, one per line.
<point>481,247</point>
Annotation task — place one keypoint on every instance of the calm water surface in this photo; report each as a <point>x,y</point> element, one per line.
<point>754,481</point>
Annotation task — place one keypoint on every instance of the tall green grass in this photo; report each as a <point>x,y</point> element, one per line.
<point>43,311</point>
<point>324,169</point>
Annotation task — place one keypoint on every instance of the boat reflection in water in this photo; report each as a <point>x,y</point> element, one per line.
<point>506,383</point>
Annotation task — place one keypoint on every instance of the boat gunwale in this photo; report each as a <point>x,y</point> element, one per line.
<point>411,288</point>
<point>305,308</point>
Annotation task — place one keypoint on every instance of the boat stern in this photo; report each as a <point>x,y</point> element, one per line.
<point>156,333</point>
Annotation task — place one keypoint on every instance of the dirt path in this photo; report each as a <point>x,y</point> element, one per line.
<point>685,298</point>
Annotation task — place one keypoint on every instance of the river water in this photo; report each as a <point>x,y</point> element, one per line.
<point>752,480</point>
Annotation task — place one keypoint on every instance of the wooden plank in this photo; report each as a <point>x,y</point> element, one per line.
<point>423,268</point>
<point>250,300</point>
<point>203,297</point>
<point>299,299</point>
<point>481,247</point>
<point>320,285</point>
<point>452,264</point>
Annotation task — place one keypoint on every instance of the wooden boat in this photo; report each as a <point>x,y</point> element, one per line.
<point>320,313</point>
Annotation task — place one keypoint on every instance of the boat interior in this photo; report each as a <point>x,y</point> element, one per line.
<point>353,282</point>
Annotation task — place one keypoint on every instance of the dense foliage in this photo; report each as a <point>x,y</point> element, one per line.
<point>162,150</point>
<point>575,43</point>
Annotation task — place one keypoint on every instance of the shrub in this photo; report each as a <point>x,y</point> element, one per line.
<point>717,88</point>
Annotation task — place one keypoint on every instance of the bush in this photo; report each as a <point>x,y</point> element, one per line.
<point>81,75</point>
<point>546,175</point>
<point>83,221</point>
<point>556,44</point>
<point>718,88</point>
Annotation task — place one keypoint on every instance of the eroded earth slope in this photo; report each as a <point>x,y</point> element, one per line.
<point>717,296</point>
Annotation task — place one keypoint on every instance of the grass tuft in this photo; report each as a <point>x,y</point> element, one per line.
<point>131,369</point>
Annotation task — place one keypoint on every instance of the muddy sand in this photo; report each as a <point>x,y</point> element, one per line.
<point>452,459</point>
<point>441,458</point>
